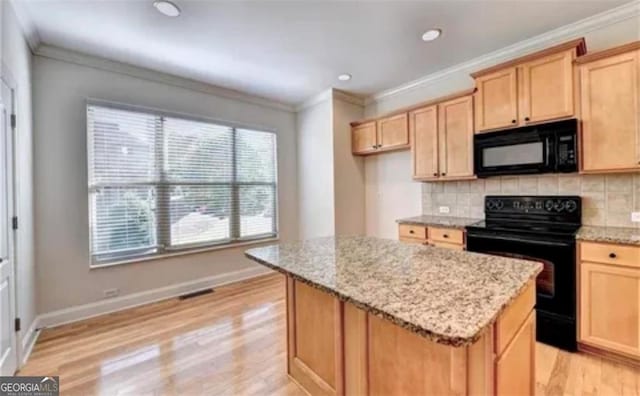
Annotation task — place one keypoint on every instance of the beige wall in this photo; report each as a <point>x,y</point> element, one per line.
<point>61,208</point>
<point>390,192</point>
<point>348,174</point>
<point>17,59</point>
<point>315,169</point>
<point>330,178</point>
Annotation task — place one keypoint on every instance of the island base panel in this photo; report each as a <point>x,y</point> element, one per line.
<point>336,348</point>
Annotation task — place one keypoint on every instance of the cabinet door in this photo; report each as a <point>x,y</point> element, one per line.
<point>515,367</point>
<point>393,132</point>
<point>424,134</point>
<point>496,104</point>
<point>610,307</point>
<point>363,138</point>
<point>455,133</point>
<point>547,88</point>
<point>611,113</point>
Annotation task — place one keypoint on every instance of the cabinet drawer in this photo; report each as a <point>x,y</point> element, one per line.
<point>453,246</point>
<point>413,231</point>
<point>610,254</point>
<point>447,235</point>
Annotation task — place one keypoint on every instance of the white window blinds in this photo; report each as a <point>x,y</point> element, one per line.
<point>159,183</point>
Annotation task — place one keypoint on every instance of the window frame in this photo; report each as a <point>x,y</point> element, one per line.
<point>163,247</point>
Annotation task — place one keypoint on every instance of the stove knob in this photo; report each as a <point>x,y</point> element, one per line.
<point>548,205</point>
<point>571,206</point>
<point>499,205</point>
<point>559,206</point>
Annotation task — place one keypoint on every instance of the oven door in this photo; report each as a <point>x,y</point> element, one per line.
<point>514,152</point>
<point>556,285</point>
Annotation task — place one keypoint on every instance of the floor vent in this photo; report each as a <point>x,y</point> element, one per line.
<point>195,294</point>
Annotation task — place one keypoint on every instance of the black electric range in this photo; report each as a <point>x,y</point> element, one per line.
<point>540,228</point>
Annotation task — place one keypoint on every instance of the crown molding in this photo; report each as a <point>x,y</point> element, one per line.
<point>64,55</point>
<point>25,22</point>
<point>314,100</point>
<point>348,97</point>
<point>552,37</point>
<point>330,93</point>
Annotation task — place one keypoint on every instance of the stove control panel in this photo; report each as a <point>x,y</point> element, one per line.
<point>569,206</point>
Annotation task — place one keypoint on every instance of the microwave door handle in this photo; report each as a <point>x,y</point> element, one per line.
<point>548,153</point>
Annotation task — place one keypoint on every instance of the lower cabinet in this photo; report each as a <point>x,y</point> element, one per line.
<point>436,236</point>
<point>337,349</point>
<point>610,298</point>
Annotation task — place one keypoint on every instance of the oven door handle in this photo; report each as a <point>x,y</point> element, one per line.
<point>530,241</point>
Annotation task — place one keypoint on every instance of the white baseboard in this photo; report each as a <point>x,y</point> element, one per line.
<point>29,340</point>
<point>73,314</point>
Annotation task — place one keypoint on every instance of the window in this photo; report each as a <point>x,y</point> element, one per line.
<point>160,184</point>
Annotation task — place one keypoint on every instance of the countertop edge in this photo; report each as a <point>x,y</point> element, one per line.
<point>428,334</point>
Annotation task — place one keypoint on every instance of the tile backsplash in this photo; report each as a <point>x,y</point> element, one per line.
<point>606,199</point>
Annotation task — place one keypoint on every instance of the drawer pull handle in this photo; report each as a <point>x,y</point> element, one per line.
<point>411,232</point>
<point>612,255</point>
<point>446,236</point>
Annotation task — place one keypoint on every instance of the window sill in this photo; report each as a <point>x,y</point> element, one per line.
<point>182,253</point>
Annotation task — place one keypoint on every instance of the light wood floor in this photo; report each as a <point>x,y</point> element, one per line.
<point>232,342</point>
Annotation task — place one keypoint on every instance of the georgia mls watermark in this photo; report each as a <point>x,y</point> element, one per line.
<point>29,386</point>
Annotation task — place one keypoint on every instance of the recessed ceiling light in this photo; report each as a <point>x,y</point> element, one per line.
<point>431,34</point>
<point>344,77</point>
<point>167,8</point>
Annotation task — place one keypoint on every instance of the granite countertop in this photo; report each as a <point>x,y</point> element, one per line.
<point>445,295</point>
<point>628,236</point>
<point>441,221</point>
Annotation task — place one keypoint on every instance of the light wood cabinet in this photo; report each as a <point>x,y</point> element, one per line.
<point>531,89</point>
<point>423,125</point>
<point>455,137</point>
<point>497,100</point>
<point>435,236</point>
<point>547,88</point>
<point>387,134</point>
<point>393,132</point>
<point>442,138</point>
<point>513,367</point>
<point>335,348</point>
<point>364,138</point>
<point>609,314</point>
<point>610,97</point>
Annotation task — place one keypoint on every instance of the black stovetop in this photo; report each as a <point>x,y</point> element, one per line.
<point>533,215</point>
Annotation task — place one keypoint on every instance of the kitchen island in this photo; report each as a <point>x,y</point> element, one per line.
<point>369,316</point>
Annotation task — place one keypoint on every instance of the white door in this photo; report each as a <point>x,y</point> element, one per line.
<point>8,350</point>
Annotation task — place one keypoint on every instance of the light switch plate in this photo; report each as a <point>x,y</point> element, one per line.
<point>635,217</point>
<point>443,209</point>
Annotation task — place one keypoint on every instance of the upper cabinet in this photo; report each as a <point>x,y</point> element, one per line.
<point>547,88</point>
<point>442,136</point>
<point>610,101</point>
<point>393,132</point>
<point>535,88</point>
<point>386,134</point>
<point>363,138</point>
<point>497,100</point>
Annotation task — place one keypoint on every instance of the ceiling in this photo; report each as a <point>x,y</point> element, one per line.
<point>291,50</point>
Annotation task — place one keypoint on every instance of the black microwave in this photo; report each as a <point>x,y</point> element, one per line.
<point>543,148</point>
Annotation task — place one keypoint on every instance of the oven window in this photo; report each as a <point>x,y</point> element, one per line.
<point>516,154</point>
<point>545,283</point>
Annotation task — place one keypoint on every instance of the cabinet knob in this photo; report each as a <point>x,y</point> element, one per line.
<point>444,174</point>
<point>374,146</point>
<point>445,236</point>
<point>526,118</point>
<point>435,174</point>
<point>411,232</point>
<point>513,121</point>
<point>612,255</point>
